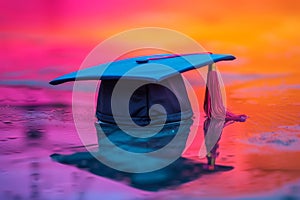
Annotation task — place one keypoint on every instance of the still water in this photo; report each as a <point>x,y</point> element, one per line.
<point>36,122</point>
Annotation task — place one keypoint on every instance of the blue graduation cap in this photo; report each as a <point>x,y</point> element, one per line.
<point>163,69</point>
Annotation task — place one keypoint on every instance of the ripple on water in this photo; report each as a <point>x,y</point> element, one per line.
<point>285,138</point>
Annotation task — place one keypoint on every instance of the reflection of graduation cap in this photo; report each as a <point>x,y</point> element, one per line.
<point>142,69</point>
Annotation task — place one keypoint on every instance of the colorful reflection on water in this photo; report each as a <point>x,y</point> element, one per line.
<point>42,40</point>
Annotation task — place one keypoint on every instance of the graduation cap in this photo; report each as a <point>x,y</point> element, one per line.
<point>163,69</point>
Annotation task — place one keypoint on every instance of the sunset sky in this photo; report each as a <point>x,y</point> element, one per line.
<point>263,35</point>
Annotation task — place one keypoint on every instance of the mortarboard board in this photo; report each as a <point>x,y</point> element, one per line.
<point>118,69</point>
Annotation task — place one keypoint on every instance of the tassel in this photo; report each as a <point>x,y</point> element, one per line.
<point>216,115</point>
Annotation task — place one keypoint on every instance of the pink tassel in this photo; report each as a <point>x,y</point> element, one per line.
<point>217,116</point>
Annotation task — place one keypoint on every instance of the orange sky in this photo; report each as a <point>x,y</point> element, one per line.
<point>263,34</point>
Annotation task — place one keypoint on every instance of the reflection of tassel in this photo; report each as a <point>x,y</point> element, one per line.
<point>217,116</point>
